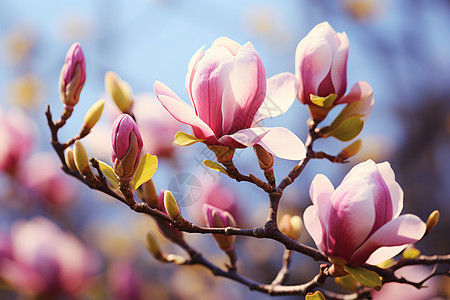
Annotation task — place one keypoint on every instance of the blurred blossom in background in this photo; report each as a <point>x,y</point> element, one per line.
<point>59,238</point>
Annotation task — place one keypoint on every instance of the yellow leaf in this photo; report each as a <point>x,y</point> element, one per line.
<point>324,102</point>
<point>215,166</point>
<point>365,277</point>
<point>316,296</point>
<point>147,167</point>
<point>347,282</point>
<point>184,139</point>
<point>109,173</point>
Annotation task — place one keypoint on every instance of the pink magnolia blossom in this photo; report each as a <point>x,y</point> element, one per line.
<point>125,282</point>
<point>45,261</point>
<point>17,136</point>
<point>73,76</point>
<point>126,146</point>
<point>42,176</point>
<point>360,221</point>
<point>230,94</point>
<point>321,68</point>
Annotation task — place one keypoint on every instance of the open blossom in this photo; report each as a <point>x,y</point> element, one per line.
<point>360,221</point>
<point>17,136</point>
<point>321,68</point>
<point>45,261</point>
<point>230,94</point>
<point>126,146</point>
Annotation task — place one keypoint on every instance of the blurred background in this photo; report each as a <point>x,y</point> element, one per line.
<point>59,238</point>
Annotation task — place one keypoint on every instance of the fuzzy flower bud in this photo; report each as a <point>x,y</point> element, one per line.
<point>218,218</point>
<point>72,78</point>
<point>351,149</point>
<point>69,158</point>
<point>126,146</point>
<point>171,206</point>
<point>432,220</point>
<point>92,116</point>
<point>265,158</point>
<point>165,228</point>
<point>120,91</point>
<point>153,247</point>
<point>81,158</point>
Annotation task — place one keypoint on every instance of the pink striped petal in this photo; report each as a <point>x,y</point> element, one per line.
<point>313,226</point>
<point>395,190</point>
<point>281,92</point>
<point>249,85</point>
<point>339,66</point>
<point>182,112</point>
<point>208,84</point>
<point>403,230</point>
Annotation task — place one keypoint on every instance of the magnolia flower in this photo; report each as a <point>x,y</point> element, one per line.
<point>360,221</point>
<point>45,261</point>
<point>321,68</point>
<point>229,92</point>
<point>73,76</point>
<point>17,136</point>
<point>126,146</point>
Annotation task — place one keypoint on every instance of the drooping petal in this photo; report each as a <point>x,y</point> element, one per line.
<point>249,84</point>
<point>313,62</point>
<point>339,66</point>
<point>192,67</point>
<point>208,84</point>
<point>244,137</point>
<point>403,230</point>
<point>395,190</point>
<point>182,112</point>
<point>313,225</point>
<point>359,91</point>
<point>281,92</point>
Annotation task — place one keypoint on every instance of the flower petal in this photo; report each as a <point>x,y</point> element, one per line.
<point>192,67</point>
<point>339,66</point>
<point>249,84</point>
<point>182,112</point>
<point>313,225</point>
<point>208,83</point>
<point>313,60</point>
<point>281,92</point>
<point>403,230</point>
<point>228,43</point>
<point>394,188</point>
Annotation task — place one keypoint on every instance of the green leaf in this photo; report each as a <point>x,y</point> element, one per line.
<point>316,296</point>
<point>411,253</point>
<point>324,102</point>
<point>215,166</point>
<point>184,139</point>
<point>109,173</point>
<point>347,129</point>
<point>147,167</point>
<point>365,277</point>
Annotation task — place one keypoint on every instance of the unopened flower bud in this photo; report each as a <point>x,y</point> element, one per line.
<point>291,226</point>
<point>69,158</point>
<point>120,91</point>
<point>147,194</point>
<point>219,218</point>
<point>165,228</point>
<point>126,147</point>
<point>265,159</point>
<point>171,206</point>
<point>72,78</point>
<point>153,247</point>
<point>92,116</point>
<point>432,220</point>
<point>81,158</point>
<point>351,149</point>
<point>177,259</point>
